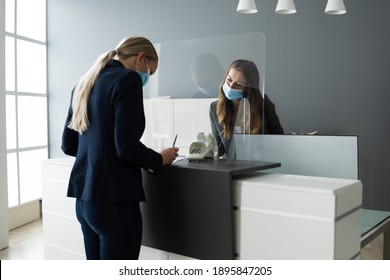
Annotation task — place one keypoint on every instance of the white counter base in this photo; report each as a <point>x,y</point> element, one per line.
<point>277,217</point>
<point>297,217</point>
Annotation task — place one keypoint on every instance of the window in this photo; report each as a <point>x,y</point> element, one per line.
<point>26,97</point>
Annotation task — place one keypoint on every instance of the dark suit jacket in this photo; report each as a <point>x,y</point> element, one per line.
<point>109,154</point>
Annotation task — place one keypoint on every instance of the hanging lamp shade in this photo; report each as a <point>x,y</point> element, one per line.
<point>285,7</point>
<point>335,7</point>
<point>247,7</point>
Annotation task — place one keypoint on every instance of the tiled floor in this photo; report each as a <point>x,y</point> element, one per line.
<point>373,250</point>
<point>26,243</point>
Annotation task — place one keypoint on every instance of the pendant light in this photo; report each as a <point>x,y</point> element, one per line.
<point>285,7</point>
<point>335,7</point>
<point>247,7</point>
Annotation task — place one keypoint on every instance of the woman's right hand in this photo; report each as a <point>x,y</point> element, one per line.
<point>169,155</point>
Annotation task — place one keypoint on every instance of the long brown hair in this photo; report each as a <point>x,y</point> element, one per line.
<point>225,107</point>
<point>128,47</point>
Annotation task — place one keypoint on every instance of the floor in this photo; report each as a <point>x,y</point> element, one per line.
<point>26,243</point>
<point>373,250</point>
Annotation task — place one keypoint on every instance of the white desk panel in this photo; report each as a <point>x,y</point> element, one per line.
<point>325,156</point>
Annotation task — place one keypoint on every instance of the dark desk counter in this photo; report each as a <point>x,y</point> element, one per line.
<point>189,208</point>
<point>236,167</point>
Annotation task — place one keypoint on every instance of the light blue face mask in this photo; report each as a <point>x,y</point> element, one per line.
<point>144,76</point>
<point>231,93</point>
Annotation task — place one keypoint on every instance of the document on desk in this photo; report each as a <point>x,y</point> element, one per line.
<point>179,157</point>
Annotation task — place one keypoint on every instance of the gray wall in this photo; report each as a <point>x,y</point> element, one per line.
<point>325,73</point>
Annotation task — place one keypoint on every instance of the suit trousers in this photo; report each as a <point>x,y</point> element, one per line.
<point>111,231</point>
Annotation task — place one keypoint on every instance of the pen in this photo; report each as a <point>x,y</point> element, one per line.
<point>174,141</point>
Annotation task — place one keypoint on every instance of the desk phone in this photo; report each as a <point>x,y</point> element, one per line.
<point>205,147</point>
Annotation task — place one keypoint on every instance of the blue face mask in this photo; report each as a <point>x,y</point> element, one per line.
<point>144,76</point>
<point>231,93</point>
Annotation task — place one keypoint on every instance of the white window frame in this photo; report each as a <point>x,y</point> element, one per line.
<point>23,212</point>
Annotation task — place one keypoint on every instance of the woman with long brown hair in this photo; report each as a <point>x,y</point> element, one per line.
<point>242,80</point>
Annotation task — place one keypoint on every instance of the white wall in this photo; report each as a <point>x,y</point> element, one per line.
<point>167,117</point>
<point>3,151</point>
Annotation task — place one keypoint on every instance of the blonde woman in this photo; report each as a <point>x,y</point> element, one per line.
<point>242,80</point>
<point>103,129</point>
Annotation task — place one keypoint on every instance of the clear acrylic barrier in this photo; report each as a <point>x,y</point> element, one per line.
<point>245,146</point>
<point>195,68</point>
<point>189,68</point>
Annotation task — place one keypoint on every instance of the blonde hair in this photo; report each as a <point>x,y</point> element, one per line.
<point>130,46</point>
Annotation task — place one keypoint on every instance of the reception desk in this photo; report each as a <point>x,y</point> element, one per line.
<point>220,210</point>
<point>189,208</point>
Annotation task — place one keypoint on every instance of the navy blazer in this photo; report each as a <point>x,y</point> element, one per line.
<point>109,154</point>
